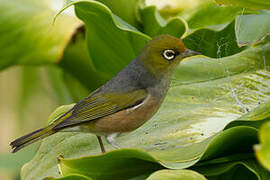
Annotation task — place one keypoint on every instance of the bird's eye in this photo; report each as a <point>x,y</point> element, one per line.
<point>169,54</point>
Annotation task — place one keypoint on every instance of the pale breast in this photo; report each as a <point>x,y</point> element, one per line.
<point>126,120</point>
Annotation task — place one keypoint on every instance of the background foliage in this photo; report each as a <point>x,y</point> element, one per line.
<point>212,125</point>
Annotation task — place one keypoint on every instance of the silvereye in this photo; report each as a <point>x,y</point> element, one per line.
<point>126,101</point>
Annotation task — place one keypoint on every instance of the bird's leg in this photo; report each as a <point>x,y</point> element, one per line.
<point>110,140</point>
<point>101,144</point>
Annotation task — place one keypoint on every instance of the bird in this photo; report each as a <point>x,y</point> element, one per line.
<point>126,101</point>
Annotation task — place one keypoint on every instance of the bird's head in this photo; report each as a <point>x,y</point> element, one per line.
<point>163,53</point>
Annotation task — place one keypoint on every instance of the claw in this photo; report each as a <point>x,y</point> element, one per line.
<point>110,140</point>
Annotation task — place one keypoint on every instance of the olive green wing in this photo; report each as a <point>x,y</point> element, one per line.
<point>99,105</point>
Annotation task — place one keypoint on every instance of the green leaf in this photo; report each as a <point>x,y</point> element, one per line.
<point>205,96</point>
<point>214,43</point>
<point>28,36</point>
<point>251,29</point>
<point>121,164</point>
<point>142,162</point>
<point>263,149</point>
<point>244,169</point>
<point>124,9</point>
<point>239,141</point>
<point>154,24</point>
<point>112,35</point>
<point>137,161</point>
<point>253,4</point>
<point>251,26</point>
<point>202,16</point>
<point>176,175</point>
<point>70,177</point>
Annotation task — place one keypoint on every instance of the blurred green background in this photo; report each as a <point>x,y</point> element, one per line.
<point>27,99</point>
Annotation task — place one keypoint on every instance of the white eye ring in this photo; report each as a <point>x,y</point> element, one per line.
<point>169,54</point>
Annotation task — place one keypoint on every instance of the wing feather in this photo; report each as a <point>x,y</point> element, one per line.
<point>98,105</point>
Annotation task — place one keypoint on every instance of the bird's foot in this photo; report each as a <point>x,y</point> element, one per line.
<point>101,144</point>
<point>111,141</point>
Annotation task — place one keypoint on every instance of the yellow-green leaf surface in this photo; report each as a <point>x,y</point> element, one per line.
<point>255,118</point>
<point>28,35</point>
<point>176,175</point>
<point>263,149</point>
<point>253,4</point>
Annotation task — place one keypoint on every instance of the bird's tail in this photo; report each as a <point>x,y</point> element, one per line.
<point>31,138</point>
<point>38,134</point>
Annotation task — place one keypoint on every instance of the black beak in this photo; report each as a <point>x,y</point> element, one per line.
<point>188,53</point>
